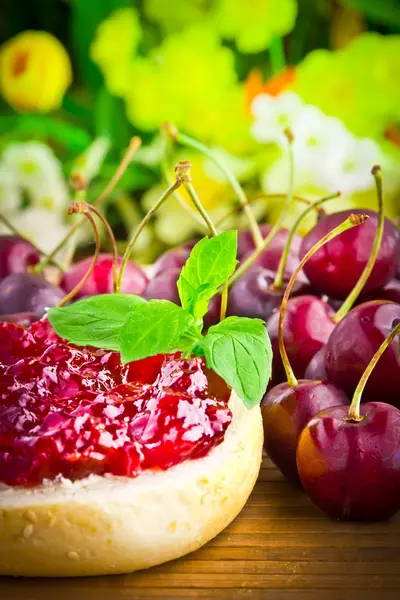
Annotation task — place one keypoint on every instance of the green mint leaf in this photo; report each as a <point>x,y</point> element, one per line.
<point>211,262</point>
<point>239,350</point>
<point>94,321</point>
<point>156,327</point>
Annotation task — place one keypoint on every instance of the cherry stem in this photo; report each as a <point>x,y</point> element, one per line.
<point>172,133</point>
<point>236,209</point>
<point>128,251</point>
<point>182,170</point>
<point>354,410</point>
<point>110,233</point>
<point>356,291</point>
<point>15,231</point>
<point>278,281</point>
<point>132,148</point>
<point>276,227</point>
<point>351,221</point>
<point>83,208</point>
<point>166,174</point>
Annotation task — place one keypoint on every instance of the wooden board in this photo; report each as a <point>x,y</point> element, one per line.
<point>280,547</point>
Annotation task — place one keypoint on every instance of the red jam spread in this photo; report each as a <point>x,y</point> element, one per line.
<point>72,412</point>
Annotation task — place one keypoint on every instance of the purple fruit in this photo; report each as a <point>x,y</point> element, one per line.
<point>25,292</point>
<point>353,343</point>
<point>350,469</point>
<point>335,269</point>
<point>286,410</point>
<point>16,255</point>
<point>163,286</point>
<point>253,294</point>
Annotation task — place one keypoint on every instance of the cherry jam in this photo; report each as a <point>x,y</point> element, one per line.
<point>72,412</point>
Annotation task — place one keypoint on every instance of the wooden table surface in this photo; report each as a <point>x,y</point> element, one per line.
<point>280,547</point>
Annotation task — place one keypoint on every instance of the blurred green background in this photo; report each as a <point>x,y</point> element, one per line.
<point>79,78</point>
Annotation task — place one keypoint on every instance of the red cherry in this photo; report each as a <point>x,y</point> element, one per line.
<point>286,410</point>
<point>308,325</point>
<point>101,280</point>
<point>353,343</point>
<point>16,255</point>
<point>335,268</point>
<point>351,470</point>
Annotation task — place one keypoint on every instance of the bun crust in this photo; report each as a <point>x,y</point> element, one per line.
<point>110,525</point>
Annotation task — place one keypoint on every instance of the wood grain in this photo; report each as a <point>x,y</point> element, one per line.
<point>280,547</point>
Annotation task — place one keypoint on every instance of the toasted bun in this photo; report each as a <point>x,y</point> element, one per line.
<point>103,525</point>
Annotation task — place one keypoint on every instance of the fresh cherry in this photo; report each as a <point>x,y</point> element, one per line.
<point>351,469</point>
<point>391,292</point>
<point>16,255</point>
<point>254,293</point>
<point>287,407</point>
<point>335,269</point>
<point>308,325</point>
<point>162,286</point>
<point>101,279</point>
<point>270,257</point>
<point>25,292</point>
<point>286,410</point>
<point>174,258</point>
<point>353,343</point>
<point>316,366</point>
<point>348,460</point>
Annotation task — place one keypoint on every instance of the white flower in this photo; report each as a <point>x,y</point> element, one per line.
<point>42,227</point>
<point>272,114</point>
<point>326,155</point>
<point>316,136</point>
<point>350,169</point>
<point>10,194</point>
<point>37,170</point>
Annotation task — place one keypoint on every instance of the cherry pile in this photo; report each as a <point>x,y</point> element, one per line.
<point>71,412</point>
<point>24,295</point>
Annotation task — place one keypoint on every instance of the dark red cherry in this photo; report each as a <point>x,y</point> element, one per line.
<point>391,292</point>
<point>254,295</point>
<point>353,343</point>
<point>25,292</point>
<point>307,327</point>
<point>174,258</point>
<point>246,241</point>
<point>316,366</point>
<point>16,255</point>
<point>351,470</point>
<point>101,280</point>
<point>335,268</point>
<point>163,286</point>
<point>286,410</point>
<point>212,317</point>
<point>270,258</point>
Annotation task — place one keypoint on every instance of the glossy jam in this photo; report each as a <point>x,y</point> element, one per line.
<point>71,412</point>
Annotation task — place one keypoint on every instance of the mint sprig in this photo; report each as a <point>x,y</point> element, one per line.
<point>211,262</point>
<point>155,327</point>
<point>238,349</point>
<point>95,321</point>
